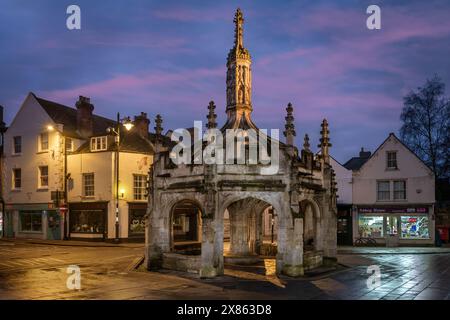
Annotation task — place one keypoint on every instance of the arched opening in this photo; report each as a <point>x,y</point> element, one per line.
<point>250,232</point>
<point>309,225</point>
<point>186,228</point>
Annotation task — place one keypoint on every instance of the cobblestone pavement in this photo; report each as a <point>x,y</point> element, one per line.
<point>38,271</point>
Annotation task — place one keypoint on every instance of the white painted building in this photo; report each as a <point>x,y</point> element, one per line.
<point>393,195</point>
<point>48,142</point>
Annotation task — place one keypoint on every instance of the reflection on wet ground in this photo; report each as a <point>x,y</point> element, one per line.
<point>40,272</point>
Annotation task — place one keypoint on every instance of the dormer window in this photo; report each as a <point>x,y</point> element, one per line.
<point>98,144</point>
<point>391,157</point>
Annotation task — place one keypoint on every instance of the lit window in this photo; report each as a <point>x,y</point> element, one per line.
<point>391,159</point>
<point>383,190</point>
<point>98,144</point>
<point>17,178</point>
<point>88,184</point>
<point>43,141</point>
<point>400,190</point>
<point>415,227</point>
<point>140,187</point>
<point>43,176</point>
<point>370,226</point>
<point>17,146</point>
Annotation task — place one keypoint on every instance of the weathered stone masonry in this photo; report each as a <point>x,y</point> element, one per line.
<point>302,193</point>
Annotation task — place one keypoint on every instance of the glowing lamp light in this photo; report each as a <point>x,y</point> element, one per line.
<point>128,124</point>
<point>122,192</point>
<point>50,128</point>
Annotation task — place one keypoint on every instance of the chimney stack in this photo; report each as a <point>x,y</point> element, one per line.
<point>364,154</point>
<point>85,126</point>
<point>141,123</point>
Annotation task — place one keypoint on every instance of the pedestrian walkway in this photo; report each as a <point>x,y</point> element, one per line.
<point>70,243</point>
<point>396,250</point>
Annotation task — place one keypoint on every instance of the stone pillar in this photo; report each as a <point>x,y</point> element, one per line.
<point>157,239</point>
<point>239,231</point>
<point>293,257</point>
<point>207,267</point>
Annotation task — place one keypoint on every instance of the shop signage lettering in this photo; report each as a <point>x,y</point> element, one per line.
<point>394,210</point>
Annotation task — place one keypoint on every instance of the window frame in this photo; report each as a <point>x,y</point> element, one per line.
<point>388,166</point>
<point>66,139</point>
<point>31,214</point>
<point>140,190</point>
<point>385,191</point>
<point>40,141</point>
<point>84,185</point>
<point>40,176</point>
<point>14,144</point>
<point>395,191</point>
<point>14,179</point>
<point>99,144</point>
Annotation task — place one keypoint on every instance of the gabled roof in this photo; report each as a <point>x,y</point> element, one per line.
<point>67,116</point>
<point>363,161</point>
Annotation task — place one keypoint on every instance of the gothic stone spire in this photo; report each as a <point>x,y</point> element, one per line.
<point>325,141</point>
<point>239,79</point>
<point>306,144</point>
<point>289,133</point>
<point>158,122</point>
<point>212,116</point>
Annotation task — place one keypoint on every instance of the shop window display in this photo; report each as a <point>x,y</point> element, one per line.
<point>415,227</point>
<point>87,221</point>
<point>371,226</point>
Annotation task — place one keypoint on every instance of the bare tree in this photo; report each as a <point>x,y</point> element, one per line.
<point>426,125</point>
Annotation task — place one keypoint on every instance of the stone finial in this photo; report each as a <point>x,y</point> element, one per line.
<point>306,144</point>
<point>238,31</point>
<point>289,133</point>
<point>158,122</point>
<point>325,141</point>
<point>212,116</point>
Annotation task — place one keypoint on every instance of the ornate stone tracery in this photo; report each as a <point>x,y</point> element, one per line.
<point>302,194</point>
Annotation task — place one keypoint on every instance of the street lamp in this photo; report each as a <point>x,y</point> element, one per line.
<point>128,124</point>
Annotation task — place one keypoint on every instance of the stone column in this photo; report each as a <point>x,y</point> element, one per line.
<point>207,267</point>
<point>293,257</point>
<point>239,231</point>
<point>157,239</point>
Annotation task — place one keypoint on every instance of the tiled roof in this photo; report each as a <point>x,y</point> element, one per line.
<point>130,142</point>
<point>355,163</point>
<point>67,116</point>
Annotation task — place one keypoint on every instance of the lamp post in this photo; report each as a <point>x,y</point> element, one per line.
<point>128,124</point>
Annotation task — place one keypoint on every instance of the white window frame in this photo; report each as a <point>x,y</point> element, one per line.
<point>405,190</point>
<point>99,143</point>
<point>40,185</point>
<point>14,185</point>
<point>84,185</point>
<point>378,190</point>
<point>139,192</point>
<point>40,140</point>
<point>14,145</point>
<point>387,160</point>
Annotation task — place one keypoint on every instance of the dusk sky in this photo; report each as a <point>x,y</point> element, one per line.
<point>169,57</point>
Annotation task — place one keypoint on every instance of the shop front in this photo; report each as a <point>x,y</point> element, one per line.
<point>395,226</point>
<point>88,221</point>
<point>32,221</point>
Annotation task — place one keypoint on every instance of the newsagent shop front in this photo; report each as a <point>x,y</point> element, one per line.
<point>395,226</point>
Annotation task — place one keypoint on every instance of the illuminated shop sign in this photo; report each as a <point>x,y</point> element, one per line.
<point>394,210</point>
